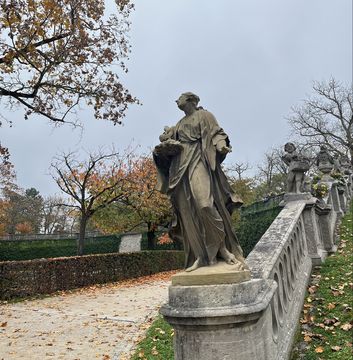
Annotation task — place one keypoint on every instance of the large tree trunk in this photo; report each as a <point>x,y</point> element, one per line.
<point>151,236</point>
<point>81,237</point>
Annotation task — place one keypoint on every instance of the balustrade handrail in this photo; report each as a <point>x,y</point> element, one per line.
<point>269,248</point>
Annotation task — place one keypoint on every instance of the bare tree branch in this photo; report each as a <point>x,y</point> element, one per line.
<point>326,118</point>
<point>55,55</point>
<point>92,184</point>
<point>239,169</point>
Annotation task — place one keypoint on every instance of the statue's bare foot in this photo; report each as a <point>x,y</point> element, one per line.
<point>194,266</point>
<point>230,259</point>
<point>227,256</point>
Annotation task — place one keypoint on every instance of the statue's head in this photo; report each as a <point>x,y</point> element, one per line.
<point>187,98</point>
<point>289,147</point>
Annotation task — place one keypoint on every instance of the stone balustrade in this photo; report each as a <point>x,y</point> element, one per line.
<point>285,260</point>
<point>257,319</point>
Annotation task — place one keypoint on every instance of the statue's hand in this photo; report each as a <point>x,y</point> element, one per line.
<point>223,148</point>
<point>164,137</point>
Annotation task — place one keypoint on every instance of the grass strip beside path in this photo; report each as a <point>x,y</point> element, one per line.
<point>158,343</point>
<point>326,325</point>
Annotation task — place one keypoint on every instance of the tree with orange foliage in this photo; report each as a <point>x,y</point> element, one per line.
<point>151,206</point>
<point>24,228</point>
<point>92,185</point>
<point>143,203</point>
<point>58,54</point>
<point>165,239</point>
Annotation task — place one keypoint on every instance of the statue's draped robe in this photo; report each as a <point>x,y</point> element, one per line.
<point>199,191</point>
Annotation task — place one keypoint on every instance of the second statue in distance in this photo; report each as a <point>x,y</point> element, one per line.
<point>188,161</point>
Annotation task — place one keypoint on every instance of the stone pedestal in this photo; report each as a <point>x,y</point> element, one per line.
<point>256,319</point>
<point>314,240</point>
<point>342,191</point>
<point>316,249</point>
<point>349,187</point>
<point>327,224</point>
<point>225,321</point>
<point>349,180</point>
<point>336,200</point>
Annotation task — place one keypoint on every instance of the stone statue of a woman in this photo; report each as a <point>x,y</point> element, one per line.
<point>189,167</point>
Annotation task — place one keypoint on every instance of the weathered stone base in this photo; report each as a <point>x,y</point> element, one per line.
<point>220,273</point>
<point>221,321</point>
<point>333,249</point>
<point>319,258</point>
<point>249,320</point>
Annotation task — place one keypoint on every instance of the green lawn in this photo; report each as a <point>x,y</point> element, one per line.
<point>326,326</point>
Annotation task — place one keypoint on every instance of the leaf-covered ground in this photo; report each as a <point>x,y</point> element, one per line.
<point>98,322</point>
<point>326,325</point>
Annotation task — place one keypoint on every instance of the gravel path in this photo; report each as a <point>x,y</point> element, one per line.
<point>102,322</point>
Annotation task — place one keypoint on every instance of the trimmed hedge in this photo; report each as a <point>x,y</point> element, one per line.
<point>44,276</point>
<point>37,249</point>
<point>252,226</point>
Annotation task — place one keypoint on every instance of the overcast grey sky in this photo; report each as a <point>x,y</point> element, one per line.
<point>248,60</point>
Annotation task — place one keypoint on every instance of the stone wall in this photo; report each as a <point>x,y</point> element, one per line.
<point>130,243</point>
